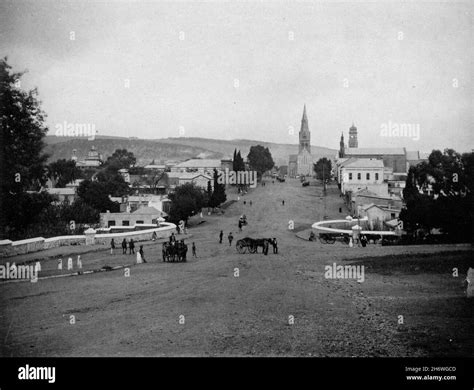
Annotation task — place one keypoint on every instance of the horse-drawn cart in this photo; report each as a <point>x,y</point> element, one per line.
<point>252,244</point>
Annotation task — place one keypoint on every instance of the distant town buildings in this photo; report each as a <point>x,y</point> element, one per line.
<point>93,159</point>
<point>372,179</point>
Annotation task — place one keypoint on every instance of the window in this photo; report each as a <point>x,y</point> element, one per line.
<point>367,176</point>
<point>358,176</point>
<point>376,176</point>
<point>139,223</point>
<point>111,223</point>
<point>350,176</point>
<point>125,223</point>
<point>392,215</point>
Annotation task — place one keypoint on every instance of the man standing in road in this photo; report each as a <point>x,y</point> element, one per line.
<point>230,237</point>
<point>221,234</point>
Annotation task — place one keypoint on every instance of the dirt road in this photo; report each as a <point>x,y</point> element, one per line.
<point>223,303</point>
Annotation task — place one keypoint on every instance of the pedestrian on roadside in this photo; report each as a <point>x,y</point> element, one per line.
<point>240,225</point>
<point>230,237</point>
<point>194,250</point>
<point>142,253</point>
<point>131,247</point>
<point>283,202</point>
<point>275,245</point>
<point>124,246</point>
<point>250,203</point>
<point>221,234</point>
<point>112,246</point>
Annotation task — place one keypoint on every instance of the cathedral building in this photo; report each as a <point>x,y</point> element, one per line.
<point>302,163</point>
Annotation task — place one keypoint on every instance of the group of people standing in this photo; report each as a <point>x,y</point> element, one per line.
<point>131,247</point>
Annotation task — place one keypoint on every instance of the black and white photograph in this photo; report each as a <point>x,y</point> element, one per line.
<point>248,179</point>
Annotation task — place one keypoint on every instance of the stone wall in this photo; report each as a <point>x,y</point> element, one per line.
<point>12,248</point>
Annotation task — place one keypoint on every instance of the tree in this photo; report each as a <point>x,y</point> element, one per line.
<point>260,159</point>
<point>22,161</point>
<point>218,194</point>
<point>209,194</point>
<point>120,159</point>
<point>438,194</point>
<point>79,212</point>
<point>155,179</point>
<point>186,201</point>
<point>63,172</point>
<point>322,168</point>
<point>234,166</point>
<point>96,195</point>
<point>114,184</point>
<point>240,165</point>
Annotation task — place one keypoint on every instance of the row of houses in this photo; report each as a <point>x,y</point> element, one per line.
<point>152,188</point>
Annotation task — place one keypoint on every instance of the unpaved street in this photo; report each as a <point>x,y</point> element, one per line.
<point>229,304</point>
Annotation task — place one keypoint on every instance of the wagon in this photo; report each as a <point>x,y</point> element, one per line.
<point>245,244</point>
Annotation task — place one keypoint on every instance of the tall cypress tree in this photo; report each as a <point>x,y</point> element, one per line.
<point>234,162</point>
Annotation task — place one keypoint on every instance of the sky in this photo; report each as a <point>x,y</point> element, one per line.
<point>244,70</point>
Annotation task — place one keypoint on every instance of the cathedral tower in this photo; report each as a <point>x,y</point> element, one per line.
<point>305,135</point>
<point>353,137</point>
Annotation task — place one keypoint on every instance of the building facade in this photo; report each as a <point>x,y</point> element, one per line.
<point>357,174</point>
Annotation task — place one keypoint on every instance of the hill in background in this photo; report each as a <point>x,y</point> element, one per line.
<point>171,148</point>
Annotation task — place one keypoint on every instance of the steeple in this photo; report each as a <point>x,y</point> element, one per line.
<point>305,135</point>
<point>341,146</point>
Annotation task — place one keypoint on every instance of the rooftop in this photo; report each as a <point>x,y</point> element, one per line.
<point>187,175</point>
<point>61,191</point>
<point>364,163</point>
<point>147,210</point>
<point>200,163</point>
<point>374,151</point>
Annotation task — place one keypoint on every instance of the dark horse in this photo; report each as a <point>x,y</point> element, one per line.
<point>264,243</point>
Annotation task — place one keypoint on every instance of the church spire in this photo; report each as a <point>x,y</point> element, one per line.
<point>341,146</point>
<point>304,121</point>
<point>305,136</point>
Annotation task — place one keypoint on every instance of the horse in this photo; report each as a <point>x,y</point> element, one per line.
<point>263,242</point>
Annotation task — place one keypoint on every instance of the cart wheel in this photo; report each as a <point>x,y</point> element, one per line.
<point>240,247</point>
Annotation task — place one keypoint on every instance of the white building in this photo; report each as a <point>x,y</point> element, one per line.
<point>205,166</point>
<point>197,178</point>
<point>357,174</point>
